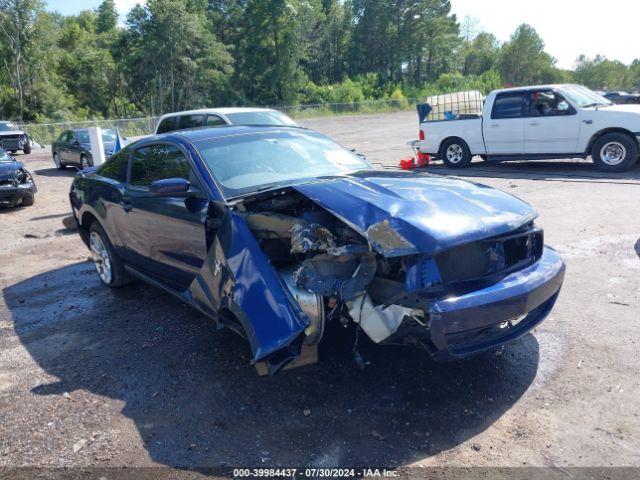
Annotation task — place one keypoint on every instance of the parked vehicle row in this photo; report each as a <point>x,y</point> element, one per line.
<point>539,122</point>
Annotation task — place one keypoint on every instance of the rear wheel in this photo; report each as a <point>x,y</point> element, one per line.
<point>455,153</point>
<point>27,149</point>
<point>57,161</point>
<point>109,266</point>
<point>615,152</point>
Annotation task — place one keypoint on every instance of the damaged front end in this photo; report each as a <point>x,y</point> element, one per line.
<point>17,186</point>
<point>378,265</point>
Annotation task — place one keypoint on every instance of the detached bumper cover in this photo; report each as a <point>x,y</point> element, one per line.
<point>475,322</point>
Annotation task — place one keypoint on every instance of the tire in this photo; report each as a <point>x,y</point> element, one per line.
<point>455,153</point>
<point>28,201</point>
<point>27,150</point>
<point>614,152</point>
<point>108,264</point>
<point>57,161</point>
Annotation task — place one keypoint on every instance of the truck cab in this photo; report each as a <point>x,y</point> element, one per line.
<point>538,122</point>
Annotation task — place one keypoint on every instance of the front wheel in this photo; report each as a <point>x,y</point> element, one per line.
<point>57,161</point>
<point>109,266</point>
<point>615,152</point>
<point>455,153</point>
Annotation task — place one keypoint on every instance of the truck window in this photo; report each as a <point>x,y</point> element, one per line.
<point>548,103</point>
<point>508,105</point>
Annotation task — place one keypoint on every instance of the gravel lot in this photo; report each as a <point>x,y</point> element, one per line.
<point>95,377</point>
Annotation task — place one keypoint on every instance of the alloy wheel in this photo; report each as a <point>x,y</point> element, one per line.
<point>101,258</point>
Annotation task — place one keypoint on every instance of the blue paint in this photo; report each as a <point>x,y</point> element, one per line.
<point>432,213</point>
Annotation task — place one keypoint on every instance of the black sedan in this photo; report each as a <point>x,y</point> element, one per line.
<point>622,97</point>
<point>73,147</point>
<point>276,231</point>
<point>16,183</point>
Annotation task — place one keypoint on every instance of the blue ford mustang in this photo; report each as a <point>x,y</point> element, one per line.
<point>276,231</point>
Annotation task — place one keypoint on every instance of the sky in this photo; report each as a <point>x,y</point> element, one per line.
<point>568,27</point>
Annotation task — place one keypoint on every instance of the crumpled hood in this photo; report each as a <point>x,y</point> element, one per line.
<point>8,169</point>
<point>403,214</point>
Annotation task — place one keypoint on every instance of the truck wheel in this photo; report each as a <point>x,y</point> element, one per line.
<point>455,153</point>
<point>108,264</point>
<point>27,148</point>
<point>615,152</point>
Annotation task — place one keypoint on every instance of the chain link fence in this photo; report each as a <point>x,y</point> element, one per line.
<point>46,133</point>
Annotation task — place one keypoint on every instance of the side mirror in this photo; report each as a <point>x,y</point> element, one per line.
<point>170,186</point>
<point>562,106</point>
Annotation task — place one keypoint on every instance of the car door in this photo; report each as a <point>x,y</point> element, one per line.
<point>504,131</point>
<point>164,236</point>
<point>551,124</point>
<point>74,148</point>
<point>60,146</point>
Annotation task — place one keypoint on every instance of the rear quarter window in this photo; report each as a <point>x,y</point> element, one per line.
<point>508,105</point>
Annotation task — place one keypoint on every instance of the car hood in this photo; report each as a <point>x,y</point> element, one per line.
<point>11,132</point>
<point>403,214</point>
<point>8,169</point>
<point>624,108</point>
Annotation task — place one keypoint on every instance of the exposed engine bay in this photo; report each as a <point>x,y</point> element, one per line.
<point>337,275</point>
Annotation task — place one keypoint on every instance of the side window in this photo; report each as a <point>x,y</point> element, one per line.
<point>215,121</point>
<point>63,137</point>
<point>156,162</point>
<point>191,121</point>
<point>547,103</point>
<point>71,136</point>
<point>508,105</point>
<point>116,167</point>
<point>169,124</point>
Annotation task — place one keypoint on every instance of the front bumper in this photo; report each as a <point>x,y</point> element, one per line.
<point>463,326</point>
<point>12,196</point>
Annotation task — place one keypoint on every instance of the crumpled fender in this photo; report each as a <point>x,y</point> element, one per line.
<point>423,213</point>
<point>236,276</point>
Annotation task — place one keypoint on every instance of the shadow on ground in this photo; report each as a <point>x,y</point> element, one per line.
<point>557,170</point>
<point>54,172</point>
<point>197,403</point>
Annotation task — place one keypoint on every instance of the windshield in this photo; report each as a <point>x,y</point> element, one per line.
<point>583,97</point>
<point>8,126</point>
<point>260,118</point>
<point>107,136</point>
<point>245,163</point>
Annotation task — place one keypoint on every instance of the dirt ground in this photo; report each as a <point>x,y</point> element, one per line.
<point>96,377</point>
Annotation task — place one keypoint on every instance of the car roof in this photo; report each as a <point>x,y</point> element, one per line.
<point>223,111</point>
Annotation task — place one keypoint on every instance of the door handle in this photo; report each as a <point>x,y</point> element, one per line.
<point>534,124</point>
<point>126,206</point>
<point>588,122</point>
<point>495,125</point>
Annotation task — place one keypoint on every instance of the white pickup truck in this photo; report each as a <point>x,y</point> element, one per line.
<point>538,122</point>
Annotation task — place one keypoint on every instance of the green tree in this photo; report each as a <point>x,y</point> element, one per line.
<point>107,18</point>
<point>523,59</point>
